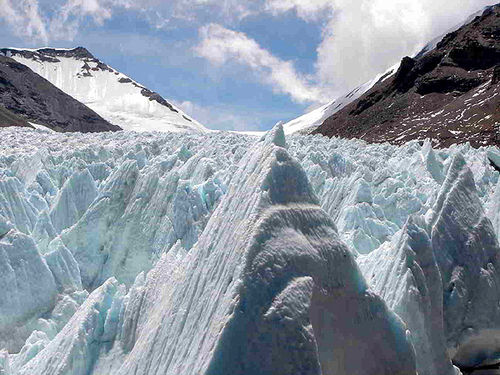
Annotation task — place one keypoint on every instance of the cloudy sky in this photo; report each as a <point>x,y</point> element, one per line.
<point>235,64</point>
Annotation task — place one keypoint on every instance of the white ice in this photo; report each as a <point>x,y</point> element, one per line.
<point>202,234</point>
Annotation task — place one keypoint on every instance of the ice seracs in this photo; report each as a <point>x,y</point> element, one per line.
<point>404,272</point>
<point>467,253</point>
<point>111,94</point>
<point>23,297</point>
<point>200,234</point>
<point>266,289</point>
<point>439,275</point>
<point>76,195</point>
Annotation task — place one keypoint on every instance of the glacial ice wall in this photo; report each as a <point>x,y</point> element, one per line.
<point>145,221</point>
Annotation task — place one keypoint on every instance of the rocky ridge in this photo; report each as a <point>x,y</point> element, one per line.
<point>449,94</point>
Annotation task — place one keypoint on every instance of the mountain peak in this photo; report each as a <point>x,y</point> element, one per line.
<point>449,94</point>
<point>28,96</point>
<point>48,54</point>
<point>78,52</point>
<point>110,93</point>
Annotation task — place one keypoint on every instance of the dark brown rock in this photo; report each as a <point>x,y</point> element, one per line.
<point>158,98</point>
<point>7,118</point>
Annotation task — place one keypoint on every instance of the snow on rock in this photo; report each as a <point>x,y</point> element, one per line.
<point>210,232</point>
<point>311,120</point>
<point>111,94</point>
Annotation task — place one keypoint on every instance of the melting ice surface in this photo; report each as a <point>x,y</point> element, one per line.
<point>219,253</point>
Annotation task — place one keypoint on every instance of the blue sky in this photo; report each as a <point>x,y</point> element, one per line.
<point>240,65</point>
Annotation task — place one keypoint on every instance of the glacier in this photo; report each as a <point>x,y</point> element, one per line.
<point>213,253</point>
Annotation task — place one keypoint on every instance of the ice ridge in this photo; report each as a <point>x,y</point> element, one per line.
<point>144,253</point>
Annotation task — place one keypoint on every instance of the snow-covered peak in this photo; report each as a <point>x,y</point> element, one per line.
<point>113,95</point>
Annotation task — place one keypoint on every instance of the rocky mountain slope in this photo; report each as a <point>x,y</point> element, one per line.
<point>113,95</point>
<point>311,120</point>
<point>7,118</point>
<point>27,95</point>
<point>450,94</point>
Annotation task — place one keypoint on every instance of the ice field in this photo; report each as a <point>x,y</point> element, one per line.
<point>223,253</point>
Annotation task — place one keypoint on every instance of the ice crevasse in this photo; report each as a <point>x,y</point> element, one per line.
<point>188,254</point>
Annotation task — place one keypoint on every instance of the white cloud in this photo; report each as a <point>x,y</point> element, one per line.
<point>366,37</point>
<point>26,20</point>
<point>66,22</point>
<point>220,46</point>
<point>23,16</point>
<point>309,10</point>
<point>63,18</point>
<point>360,38</point>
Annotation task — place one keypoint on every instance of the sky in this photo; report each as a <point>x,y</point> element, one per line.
<point>235,64</point>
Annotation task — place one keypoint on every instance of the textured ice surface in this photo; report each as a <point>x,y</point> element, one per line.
<point>467,253</point>
<point>405,274</point>
<point>202,252</point>
<point>74,212</point>
<point>28,285</point>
